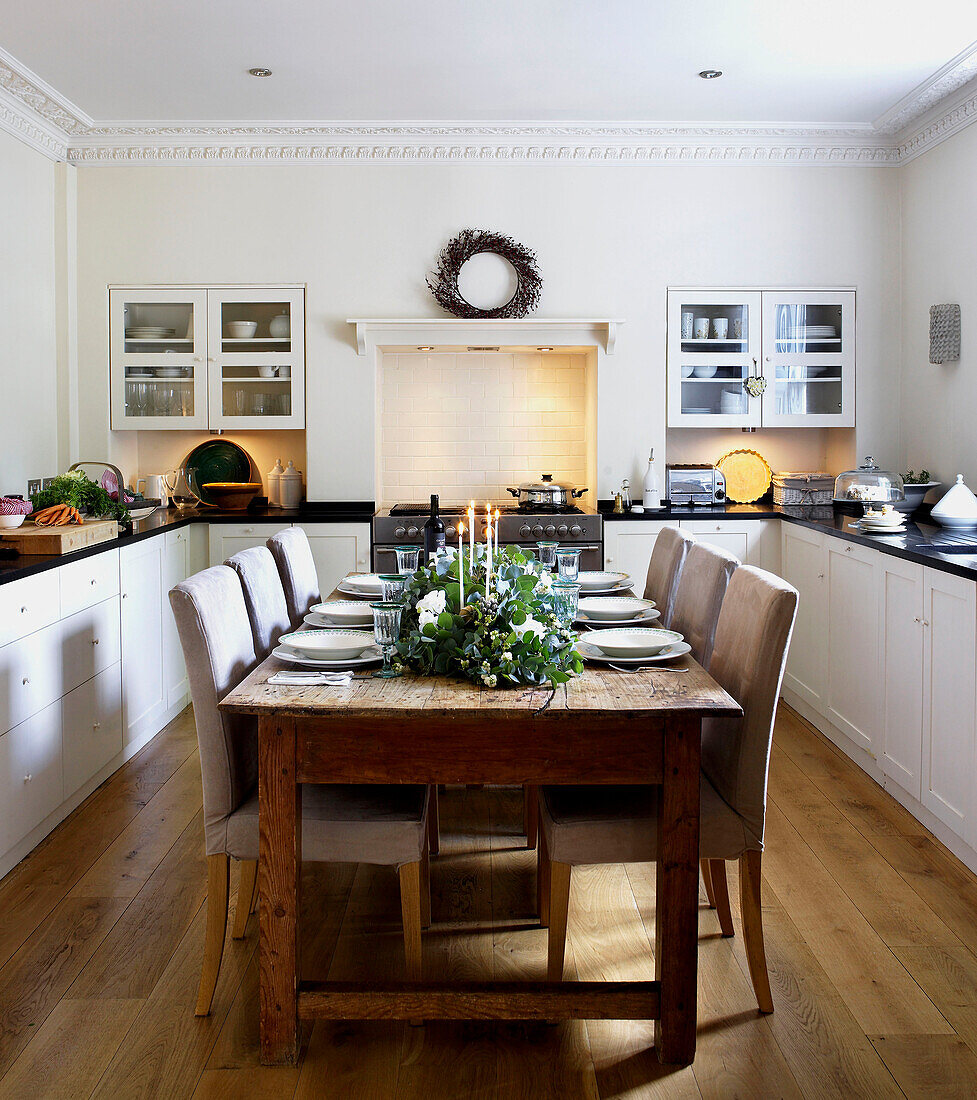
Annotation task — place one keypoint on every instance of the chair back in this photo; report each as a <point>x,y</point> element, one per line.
<point>215,634</point>
<point>748,659</point>
<point>699,596</point>
<point>667,558</point>
<point>264,597</point>
<point>296,567</point>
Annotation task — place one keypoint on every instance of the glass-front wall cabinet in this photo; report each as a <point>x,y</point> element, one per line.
<point>207,357</point>
<point>761,358</point>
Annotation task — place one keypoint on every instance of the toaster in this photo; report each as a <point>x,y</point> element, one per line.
<point>694,484</point>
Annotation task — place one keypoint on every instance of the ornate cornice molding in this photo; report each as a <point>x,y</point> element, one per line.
<point>936,89</point>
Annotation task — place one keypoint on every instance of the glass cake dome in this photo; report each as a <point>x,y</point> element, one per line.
<point>868,485</point>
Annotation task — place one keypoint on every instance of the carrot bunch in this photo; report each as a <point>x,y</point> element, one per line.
<point>58,515</point>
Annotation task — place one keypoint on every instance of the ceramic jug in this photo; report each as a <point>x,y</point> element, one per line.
<point>153,486</point>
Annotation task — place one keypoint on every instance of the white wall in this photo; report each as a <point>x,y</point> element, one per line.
<point>608,240</point>
<point>28,343</point>
<point>939,231</point>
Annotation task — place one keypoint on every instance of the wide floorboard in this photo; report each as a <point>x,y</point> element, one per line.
<point>871,931</point>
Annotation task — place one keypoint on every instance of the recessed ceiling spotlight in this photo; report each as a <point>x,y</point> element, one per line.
<point>710,74</point>
<point>426,347</point>
<point>544,349</point>
<point>260,70</point>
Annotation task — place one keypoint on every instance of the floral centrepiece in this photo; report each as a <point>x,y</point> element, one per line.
<point>512,636</point>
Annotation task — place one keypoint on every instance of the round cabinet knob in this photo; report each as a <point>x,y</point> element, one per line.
<point>550,530</point>
<point>26,680</point>
<point>92,582</point>
<point>96,725</point>
<point>28,777</point>
<point>451,531</point>
<point>562,530</point>
<point>94,641</point>
<point>608,558</point>
<point>249,530</point>
<point>399,532</point>
<point>525,531</point>
<point>576,529</point>
<point>412,532</point>
<point>537,530</point>
<point>23,611</point>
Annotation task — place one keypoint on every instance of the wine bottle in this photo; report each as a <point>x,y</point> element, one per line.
<point>652,489</point>
<point>433,532</point>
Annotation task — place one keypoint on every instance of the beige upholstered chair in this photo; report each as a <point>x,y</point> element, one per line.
<point>296,567</point>
<point>582,825</point>
<point>264,597</point>
<point>667,559</point>
<point>340,824</point>
<point>699,596</point>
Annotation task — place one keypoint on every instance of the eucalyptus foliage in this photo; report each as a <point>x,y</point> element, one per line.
<point>513,637</point>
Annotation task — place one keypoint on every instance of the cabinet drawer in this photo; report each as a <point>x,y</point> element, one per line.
<point>89,581</point>
<point>30,676</point>
<point>30,774</point>
<point>91,727</point>
<point>29,604</point>
<point>90,641</point>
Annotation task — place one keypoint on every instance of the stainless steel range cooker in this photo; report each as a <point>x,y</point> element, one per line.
<point>569,525</point>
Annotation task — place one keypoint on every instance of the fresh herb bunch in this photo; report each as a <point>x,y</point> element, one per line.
<point>79,491</point>
<point>513,637</point>
<point>922,478</point>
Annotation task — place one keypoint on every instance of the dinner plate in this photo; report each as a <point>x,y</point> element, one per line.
<point>623,589</point>
<point>370,657</point>
<point>592,580</point>
<point>643,618</point>
<point>349,613</point>
<point>323,622</point>
<point>632,641</point>
<point>589,653</point>
<point>348,590</point>
<point>367,583</point>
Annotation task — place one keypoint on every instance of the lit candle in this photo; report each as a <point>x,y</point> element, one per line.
<point>471,534</point>
<point>461,564</point>
<point>488,555</point>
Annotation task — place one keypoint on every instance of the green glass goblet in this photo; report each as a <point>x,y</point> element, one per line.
<point>394,586</point>
<point>565,597</point>
<point>386,631</point>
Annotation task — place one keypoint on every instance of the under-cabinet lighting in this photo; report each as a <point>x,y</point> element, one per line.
<point>426,347</point>
<point>544,349</point>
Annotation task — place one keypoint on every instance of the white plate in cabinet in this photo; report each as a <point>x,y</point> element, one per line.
<point>91,727</point>
<point>901,641</point>
<point>91,641</point>
<point>29,604</point>
<point>89,581</point>
<point>30,774</point>
<point>30,676</point>
<point>226,539</point>
<point>805,566</point>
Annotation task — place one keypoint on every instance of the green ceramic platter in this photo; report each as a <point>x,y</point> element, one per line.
<point>217,460</point>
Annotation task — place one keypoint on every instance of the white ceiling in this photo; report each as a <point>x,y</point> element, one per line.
<point>835,62</point>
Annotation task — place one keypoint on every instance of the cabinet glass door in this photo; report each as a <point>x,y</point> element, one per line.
<point>257,358</point>
<point>809,359</point>
<point>158,341</point>
<point>713,348</point>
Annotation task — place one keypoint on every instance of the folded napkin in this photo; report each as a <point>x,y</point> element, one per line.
<point>311,679</point>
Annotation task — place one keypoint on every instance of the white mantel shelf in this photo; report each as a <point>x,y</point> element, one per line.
<point>464,331</point>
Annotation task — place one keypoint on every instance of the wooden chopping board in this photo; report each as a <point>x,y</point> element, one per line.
<point>29,539</point>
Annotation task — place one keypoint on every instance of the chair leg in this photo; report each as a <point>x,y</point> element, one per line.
<point>559,905</point>
<point>707,882</point>
<point>433,821</point>
<point>410,908</point>
<point>530,813</point>
<point>543,881</point>
<point>218,887</point>
<point>720,893</point>
<point>753,928</point>
<point>254,893</point>
<point>245,896</point>
<point>425,888</point>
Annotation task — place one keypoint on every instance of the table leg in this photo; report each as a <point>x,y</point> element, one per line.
<point>676,906</point>
<point>279,875</point>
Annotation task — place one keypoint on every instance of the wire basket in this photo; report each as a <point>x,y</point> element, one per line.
<point>803,489</point>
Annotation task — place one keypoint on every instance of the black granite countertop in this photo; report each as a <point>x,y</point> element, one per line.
<point>171,519</point>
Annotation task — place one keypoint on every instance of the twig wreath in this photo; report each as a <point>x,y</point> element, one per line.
<point>470,242</point>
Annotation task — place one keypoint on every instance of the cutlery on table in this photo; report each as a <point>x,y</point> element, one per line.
<point>646,668</point>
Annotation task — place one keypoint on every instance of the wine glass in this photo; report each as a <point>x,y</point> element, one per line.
<point>547,553</point>
<point>394,586</point>
<point>386,631</point>
<point>408,558</point>
<point>568,563</point>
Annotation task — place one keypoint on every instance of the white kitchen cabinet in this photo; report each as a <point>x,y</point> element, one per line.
<point>31,781</point>
<point>30,675</point>
<point>91,727</point>
<point>177,362</point>
<point>88,581</point>
<point>949,682</point>
<point>852,696</point>
<point>91,641</point>
<point>901,644</point>
<point>176,568</point>
<point>338,549</point>
<point>748,539</point>
<point>628,545</point>
<point>143,599</point>
<point>804,565</point>
<point>226,539</point>
<point>795,350</point>
<point>29,604</point>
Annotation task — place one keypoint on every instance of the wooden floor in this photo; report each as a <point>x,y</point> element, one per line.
<point>871,929</point>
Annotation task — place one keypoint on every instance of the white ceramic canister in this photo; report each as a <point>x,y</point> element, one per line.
<point>957,507</point>
<point>280,327</point>
<point>291,487</point>
<point>275,484</point>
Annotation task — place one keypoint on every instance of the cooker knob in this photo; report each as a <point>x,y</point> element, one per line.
<point>412,532</point>
<point>576,529</point>
<point>537,530</point>
<point>550,530</point>
<point>400,532</point>
<point>525,531</point>
<point>562,530</point>
<point>450,531</point>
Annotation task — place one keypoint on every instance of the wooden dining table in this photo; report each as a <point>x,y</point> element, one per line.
<point>602,727</point>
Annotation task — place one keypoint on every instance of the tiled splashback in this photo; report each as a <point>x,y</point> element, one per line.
<point>470,424</point>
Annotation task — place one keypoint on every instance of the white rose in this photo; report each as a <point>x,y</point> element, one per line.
<point>433,603</point>
<point>424,618</point>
